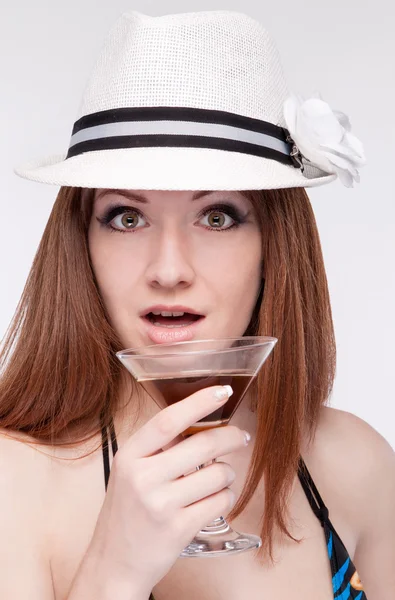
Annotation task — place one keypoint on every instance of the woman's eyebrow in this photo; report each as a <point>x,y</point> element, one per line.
<point>141,198</point>
<point>125,193</point>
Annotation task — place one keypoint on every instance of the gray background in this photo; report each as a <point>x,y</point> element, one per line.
<point>343,49</point>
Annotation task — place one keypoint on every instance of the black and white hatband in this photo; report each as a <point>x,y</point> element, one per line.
<point>182,126</point>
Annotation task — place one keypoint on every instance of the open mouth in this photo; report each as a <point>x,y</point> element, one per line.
<point>174,320</point>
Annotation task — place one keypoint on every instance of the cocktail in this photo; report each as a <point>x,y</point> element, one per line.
<point>170,372</point>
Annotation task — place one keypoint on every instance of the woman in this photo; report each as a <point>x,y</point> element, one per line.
<point>177,142</point>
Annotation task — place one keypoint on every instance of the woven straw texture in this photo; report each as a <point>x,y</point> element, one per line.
<point>221,60</point>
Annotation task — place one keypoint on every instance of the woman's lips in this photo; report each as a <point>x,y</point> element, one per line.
<point>165,333</point>
<point>179,321</point>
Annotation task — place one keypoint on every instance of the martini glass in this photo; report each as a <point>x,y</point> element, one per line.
<point>172,371</point>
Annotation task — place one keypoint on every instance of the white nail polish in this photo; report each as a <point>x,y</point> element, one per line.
<point>223,393</point>
<point>247,437</point>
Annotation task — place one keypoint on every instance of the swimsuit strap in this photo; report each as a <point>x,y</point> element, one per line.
<point>114,445</point>
<point>114,442</point>
<point>313,496</point>
<point>318,506</point>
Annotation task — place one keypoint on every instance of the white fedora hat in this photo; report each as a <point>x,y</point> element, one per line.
<point>197,101</point>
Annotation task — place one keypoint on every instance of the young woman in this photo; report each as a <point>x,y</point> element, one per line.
<point>183,191</point>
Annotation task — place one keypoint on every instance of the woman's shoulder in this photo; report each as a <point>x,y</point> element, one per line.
<point>350,456</point>
<point>24,471</point>
<point>343,425</point>
<point>352,439</point>
<point>31,471</point>
<point>356,447</point>
<point>362,475</point>
<point>18,448</point>
<point>24,482</point>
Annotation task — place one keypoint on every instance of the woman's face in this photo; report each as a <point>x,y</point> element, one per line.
<point>175,251</point>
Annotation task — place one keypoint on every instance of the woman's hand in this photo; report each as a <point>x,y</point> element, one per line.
<point>157,501</point>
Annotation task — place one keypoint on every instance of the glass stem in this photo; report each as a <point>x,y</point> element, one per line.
<point>218,525</point>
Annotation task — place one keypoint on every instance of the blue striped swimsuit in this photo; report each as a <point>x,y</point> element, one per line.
<point>345,580</point>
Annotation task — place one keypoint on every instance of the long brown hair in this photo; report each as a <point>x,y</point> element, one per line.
<point>60,373</point>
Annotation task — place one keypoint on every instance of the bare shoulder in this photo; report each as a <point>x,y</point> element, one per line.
<point>18,450</point>
<point>359,451</point>
<point>358,461</point>
<point>24,472</point>
<point>364,445</point>
<point>343,426</point>
<point>22,451</point>
<point>361,465</point>
<point>24,565</point>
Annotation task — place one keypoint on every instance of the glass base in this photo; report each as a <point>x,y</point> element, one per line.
<point>218,539</point>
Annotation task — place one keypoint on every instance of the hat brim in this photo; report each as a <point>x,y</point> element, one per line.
<point>170,168</point>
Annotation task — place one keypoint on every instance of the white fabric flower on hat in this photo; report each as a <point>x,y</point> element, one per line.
<point>323,137</point>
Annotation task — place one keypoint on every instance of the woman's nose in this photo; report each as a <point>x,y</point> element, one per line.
<point>170,265</point>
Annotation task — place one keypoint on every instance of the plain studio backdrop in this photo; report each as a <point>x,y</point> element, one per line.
<point>342,49</point>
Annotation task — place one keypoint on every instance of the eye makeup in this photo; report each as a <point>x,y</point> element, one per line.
<point>229,209</point>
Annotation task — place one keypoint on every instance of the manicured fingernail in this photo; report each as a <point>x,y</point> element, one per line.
<point>223,393</point>
<point>247,437</point>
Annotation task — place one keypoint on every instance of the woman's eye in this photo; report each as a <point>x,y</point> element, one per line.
<point>127,220</point>
<point>218,219</point>
<point>124,219</point>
